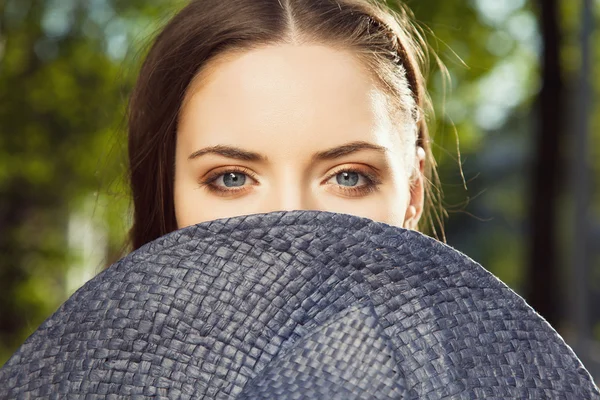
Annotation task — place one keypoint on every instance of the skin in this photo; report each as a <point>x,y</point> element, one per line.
<point>293,105</point>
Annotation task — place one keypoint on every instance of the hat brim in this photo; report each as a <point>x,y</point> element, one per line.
<point>287,303</point>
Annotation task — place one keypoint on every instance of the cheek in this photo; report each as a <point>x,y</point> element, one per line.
<point>390,207</point>
<point>183,201</point>
<point>395,197</point>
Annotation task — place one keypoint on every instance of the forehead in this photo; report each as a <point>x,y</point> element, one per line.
<point>307,95</point>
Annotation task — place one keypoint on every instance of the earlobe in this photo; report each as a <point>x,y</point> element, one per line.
<point>411,212</point>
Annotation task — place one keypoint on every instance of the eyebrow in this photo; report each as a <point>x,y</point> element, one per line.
<point>329,154</point>
<point>229,152</point>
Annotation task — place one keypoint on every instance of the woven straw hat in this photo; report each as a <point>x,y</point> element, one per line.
<point>295,305</point>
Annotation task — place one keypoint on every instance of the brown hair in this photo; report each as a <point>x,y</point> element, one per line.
<point>386,41</point>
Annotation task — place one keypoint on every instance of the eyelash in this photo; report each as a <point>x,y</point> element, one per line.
<point>372,181</point>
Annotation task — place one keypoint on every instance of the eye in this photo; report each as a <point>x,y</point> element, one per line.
<point>232,179</point>
<point>228,181</point>
<point>348,178</point>
<point>354,182</point>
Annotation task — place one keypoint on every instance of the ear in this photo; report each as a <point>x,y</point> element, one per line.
<point>417,192</point>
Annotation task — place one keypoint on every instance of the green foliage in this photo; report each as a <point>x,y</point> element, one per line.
<point>63,91</point>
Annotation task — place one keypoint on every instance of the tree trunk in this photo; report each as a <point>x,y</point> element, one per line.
<point>543,292</point>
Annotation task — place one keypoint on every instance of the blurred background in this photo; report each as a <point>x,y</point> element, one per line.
<point>520,122</point>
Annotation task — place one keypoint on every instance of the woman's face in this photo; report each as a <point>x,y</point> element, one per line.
<point>293,127</point>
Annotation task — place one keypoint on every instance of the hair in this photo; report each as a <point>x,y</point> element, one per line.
<point>387,41</point>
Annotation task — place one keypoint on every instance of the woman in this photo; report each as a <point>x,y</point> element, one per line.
<point>253,106</point>
<point>300,112</point>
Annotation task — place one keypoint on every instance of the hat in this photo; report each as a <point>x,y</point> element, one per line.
<point>295,305</point>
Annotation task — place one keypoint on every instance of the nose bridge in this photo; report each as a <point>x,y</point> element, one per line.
<point>290,191</point>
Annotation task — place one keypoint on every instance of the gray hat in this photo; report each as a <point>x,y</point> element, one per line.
<point>295,305</point>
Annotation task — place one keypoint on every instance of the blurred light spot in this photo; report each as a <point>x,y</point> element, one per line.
<point>87,239</point>
<point>523,27</point>
<point>117,47</point>
<point>490,116</point>
<point>499,43</point>
<point>500,91</point>
<point>116,39</point>
<point>58,18</point>
<point>494,12</point>
<point>100,11</point>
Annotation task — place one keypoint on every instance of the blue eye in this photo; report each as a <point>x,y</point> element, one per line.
<point>347,178</point>
<point>355,182</point>
<point>234,179</point>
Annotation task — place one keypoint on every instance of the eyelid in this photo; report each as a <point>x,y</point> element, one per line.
<point>212,175</point>
<point>208,181</point>
<point>373,177</point>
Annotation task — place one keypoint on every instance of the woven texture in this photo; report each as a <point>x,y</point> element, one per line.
<point>295,305</point>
